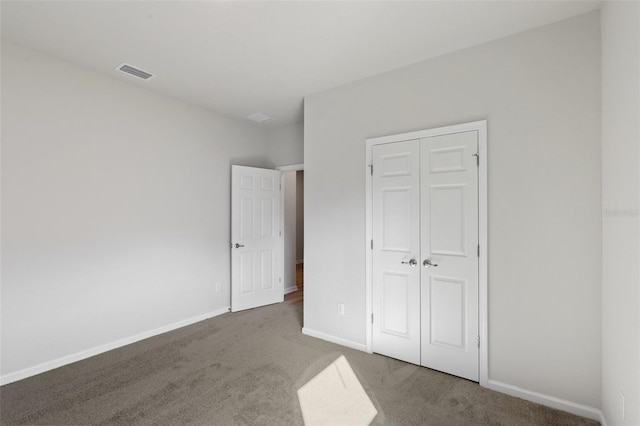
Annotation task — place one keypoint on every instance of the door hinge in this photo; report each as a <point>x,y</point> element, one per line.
<point>478,250</point>
<point>279,279</point>
<point>478,341</point>
<point>371,244</point>
<point>371,318</point>
<point>371,167</point>
<point>280,233</point>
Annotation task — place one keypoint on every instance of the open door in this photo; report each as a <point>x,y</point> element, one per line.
<point>255,238</point>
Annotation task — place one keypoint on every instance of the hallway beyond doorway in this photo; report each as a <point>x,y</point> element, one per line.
<point>296,298</point>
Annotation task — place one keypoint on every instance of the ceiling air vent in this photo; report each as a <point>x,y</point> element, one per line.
<point>136,72</point>
<point>259,117</point>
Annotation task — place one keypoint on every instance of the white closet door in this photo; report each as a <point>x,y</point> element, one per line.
<point>425,252</point>
<point>449,239</point>
<point>396,249</point>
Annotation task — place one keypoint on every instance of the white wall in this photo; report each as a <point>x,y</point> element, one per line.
<point>540,92</point>
<point>289,191</point>
<point>115,209</point>
<point>286,144</point>
<point>620,202</point>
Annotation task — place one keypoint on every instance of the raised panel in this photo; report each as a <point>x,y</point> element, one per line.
<point>444,160</point>
<point>447,227</point>
<point>246,182</point>
<point>266,184</point>
<point>395,304</point>
<point>266,217</point>
<point>246,272</point>
<point>396,219</point>
<point>246,217</point>
<point>396,164</point>
<point>447,312</point>
<point>266,269</point>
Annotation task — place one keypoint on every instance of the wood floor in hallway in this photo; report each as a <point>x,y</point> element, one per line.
<point>295,298</point>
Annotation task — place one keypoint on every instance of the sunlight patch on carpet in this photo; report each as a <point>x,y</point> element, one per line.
<point>335,397</point>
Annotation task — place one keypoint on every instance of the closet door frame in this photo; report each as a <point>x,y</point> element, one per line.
<point>481,128</point>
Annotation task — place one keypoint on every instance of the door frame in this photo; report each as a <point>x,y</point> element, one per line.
<point>483,323</point>
<point>289,168</point>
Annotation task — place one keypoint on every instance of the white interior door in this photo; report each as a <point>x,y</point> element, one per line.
<point>449,239</point>
<point>425,208</point>
<point>396,250</point>
<point>255,256</point>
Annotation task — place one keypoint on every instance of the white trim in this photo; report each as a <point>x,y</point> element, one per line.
<point>368,294</point>
<point>290,289</point>
<point>281,244</point>
<point>483,273</point>
<point>79,356</point>
<point>333,339</point>
<point>282,169</point>
<point>548,401</point>
<point>291,168</point>
<point>483,261</point>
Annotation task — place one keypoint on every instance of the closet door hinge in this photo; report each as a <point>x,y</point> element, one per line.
<point>478,250</point>
<point>478,341</point>
<point>371,168</point>
<point>371,318</point>
<point>371,244</point>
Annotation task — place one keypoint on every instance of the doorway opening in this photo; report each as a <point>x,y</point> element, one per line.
<point>293,233</point>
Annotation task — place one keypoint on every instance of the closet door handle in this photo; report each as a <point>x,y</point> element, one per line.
<point>428,263</point>
<point>412,262</point>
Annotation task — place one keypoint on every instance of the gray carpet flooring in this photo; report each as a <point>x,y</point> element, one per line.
<point>244,369</point>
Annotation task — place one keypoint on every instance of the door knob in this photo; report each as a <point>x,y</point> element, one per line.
<point>236,245</point>
<point>412,262</point>
<point>428,263</point>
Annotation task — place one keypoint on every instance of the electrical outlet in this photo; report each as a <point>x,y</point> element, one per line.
<point>340,308</point>
<point>622,404</point>
<point>217,287</point>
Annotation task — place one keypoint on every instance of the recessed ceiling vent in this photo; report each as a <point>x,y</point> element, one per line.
<point>259,117</point>
<point>136,72</point>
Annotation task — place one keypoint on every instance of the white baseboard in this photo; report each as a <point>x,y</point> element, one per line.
<point>334,339</point>
<point>59,362</point>
<point>290,289</point>
<point>549,401</point>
